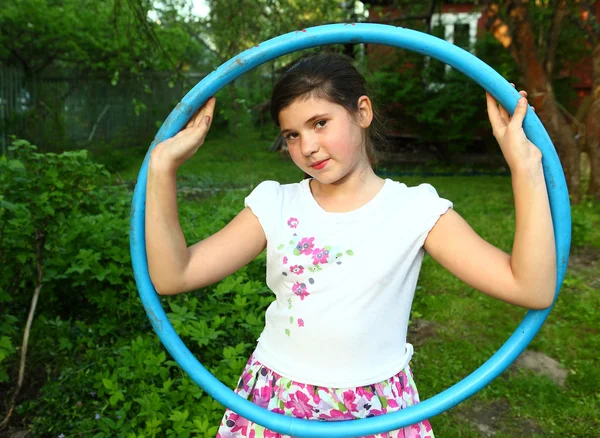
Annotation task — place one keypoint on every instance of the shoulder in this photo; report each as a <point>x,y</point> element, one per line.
<point>421,193</point>
<point>271,190</point>
<point>269,200</point>
<point>417,203</point>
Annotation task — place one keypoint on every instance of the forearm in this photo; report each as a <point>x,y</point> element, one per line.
<point>533,259</point>
<point>166,247</point>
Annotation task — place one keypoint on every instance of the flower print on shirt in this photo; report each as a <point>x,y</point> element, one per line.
<point>305,246</point>
<point>302,258</point>
<point>300,290</point>
<point>297,269</point>
<point>320,255</point>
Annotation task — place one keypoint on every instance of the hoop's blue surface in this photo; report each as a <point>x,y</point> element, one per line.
<point>334,34</point>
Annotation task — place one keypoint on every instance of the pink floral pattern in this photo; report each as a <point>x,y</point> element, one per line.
<point>285,260</point>
<point>292,222</point>
<point>297,269</point>
<point>320,255</point>
<point>300,322</point>
<point>306,245</point>
<point>300,290</point>
<point>278,394</point>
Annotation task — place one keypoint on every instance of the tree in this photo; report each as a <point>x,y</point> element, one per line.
<point>85,37</point>
<point>543,38</point>
<point>235,26</point>
<point>592,125</point>
<point>534,34</point>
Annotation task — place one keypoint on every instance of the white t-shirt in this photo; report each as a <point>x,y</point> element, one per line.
<point>344,282</point>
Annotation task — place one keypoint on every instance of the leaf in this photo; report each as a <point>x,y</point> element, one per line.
<point>179,416</point>
<point>108,384</point>
<point>65,344</point>
<point>350,252</point>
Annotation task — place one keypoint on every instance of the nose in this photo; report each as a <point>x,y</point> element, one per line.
<point>309,146</point>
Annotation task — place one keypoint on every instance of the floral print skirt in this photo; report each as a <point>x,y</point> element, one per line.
<point>271,391</point>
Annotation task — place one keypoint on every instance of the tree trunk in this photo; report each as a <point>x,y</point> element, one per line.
<point>592,127</point>
<point>542,96</point>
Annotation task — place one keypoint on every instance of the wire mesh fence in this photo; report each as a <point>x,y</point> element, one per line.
<point>60,111</point>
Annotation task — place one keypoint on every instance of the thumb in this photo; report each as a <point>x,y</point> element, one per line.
<point>520,112</point>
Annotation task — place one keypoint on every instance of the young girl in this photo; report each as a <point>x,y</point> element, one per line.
<point>344,250</point>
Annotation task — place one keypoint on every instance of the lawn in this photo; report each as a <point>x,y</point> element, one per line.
<point>457,328</point>
<point>109,376</point>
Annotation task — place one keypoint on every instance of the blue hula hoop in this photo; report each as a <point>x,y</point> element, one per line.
<point>342,34</point>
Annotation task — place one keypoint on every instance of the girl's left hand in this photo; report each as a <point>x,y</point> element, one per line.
<point>518,151</point>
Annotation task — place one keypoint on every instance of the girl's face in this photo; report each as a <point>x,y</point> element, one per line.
<point>325,140</point>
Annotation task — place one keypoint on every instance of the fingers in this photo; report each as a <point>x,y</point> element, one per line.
<point>499,116</point>
<point>493,111</point>
<point>520,112</point>
<point>199,118</point>
<point>209,111</point>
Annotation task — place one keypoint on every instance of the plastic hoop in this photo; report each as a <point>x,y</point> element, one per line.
<point>370,33</point>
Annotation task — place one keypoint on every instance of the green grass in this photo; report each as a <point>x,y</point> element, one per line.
<point>226,161</point>
<point>469,326</point>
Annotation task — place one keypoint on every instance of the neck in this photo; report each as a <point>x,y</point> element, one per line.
<point>348,193</point>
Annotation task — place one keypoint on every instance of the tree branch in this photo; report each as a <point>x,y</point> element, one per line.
<point>21,60</point>
<point>40,240</point>
<point>500,28</point>
<point>558,14</point>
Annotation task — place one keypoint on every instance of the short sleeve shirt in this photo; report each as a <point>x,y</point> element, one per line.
<point>343,282</point>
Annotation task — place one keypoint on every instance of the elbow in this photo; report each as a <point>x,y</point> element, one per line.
<point>163,288</point>
<point>161,291</point>
<point>543,299</point>
<point>541,304</point>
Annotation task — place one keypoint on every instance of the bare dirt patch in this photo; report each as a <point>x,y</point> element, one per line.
<point>420,330</point>
<point>496,417</point>
<point>544,365</point>
<point>586,262</point>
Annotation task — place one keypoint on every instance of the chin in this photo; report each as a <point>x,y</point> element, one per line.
<point>324,179</point>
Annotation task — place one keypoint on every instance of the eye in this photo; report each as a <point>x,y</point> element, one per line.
<point>291,136</point>
<point>321,123</point>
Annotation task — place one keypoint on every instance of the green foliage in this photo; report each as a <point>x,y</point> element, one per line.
<point>448,110</point>
<point>113,377</point>
<point>234,29</point>
<point>121,382</point>
<point>41,193</point>
<point>49,204</point>
<point>8,330</point>
<point>88,36</point>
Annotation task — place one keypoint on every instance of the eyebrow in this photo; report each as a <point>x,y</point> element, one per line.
<point>308,122</point>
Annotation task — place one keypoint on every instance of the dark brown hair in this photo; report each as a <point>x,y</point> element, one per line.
<point>330,76</point>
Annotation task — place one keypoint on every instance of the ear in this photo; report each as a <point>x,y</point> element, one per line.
<point>365,110</point>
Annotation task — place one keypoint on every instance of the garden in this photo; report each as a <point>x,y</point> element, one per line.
<point>78,355</point>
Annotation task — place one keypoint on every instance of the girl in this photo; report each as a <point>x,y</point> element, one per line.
<point>344,250</point>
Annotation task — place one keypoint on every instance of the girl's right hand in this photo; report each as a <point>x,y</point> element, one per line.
<point>178,149</point>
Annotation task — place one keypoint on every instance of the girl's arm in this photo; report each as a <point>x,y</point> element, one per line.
<point>173,267</point>
<point>527,277</point>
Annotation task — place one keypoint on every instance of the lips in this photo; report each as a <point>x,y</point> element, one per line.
<point>319,164</point>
